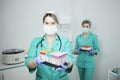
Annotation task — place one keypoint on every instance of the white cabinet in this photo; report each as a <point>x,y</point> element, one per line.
<point>18,73</point>
<point>113,76</point>
<point>1,76</point>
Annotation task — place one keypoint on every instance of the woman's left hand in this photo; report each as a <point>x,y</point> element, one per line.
<point>91,52</point>
<point>64,66</point>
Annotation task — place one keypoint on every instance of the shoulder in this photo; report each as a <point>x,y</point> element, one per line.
<point>64,38</point>
<point>78,36</point>
<point>36,40</point>
<point>93,35</point>
<point>65,41</point>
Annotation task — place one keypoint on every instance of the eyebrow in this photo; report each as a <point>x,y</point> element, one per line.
<point>50,22</point>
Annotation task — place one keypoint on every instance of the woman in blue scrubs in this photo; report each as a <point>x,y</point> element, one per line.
<point>85,60</point>
<point>53,42</point>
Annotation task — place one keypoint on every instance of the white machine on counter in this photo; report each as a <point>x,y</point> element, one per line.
<point>13,56</point>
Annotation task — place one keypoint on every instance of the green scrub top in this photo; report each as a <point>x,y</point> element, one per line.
<point>45,72</point>
<point>84,60</point>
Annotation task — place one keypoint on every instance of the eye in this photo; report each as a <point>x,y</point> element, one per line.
<point>86,26</point>
<point>46,23</point>
<point>53,23</point>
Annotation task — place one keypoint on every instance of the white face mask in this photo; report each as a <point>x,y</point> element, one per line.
<point>50,29</point>
<point>85,30</point>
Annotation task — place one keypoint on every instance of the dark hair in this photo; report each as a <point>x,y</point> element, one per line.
<point>51,15</point>
<point>86,22</point>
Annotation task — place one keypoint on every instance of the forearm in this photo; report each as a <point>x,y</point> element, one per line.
<point>32,65</point>
<point>76,52</point>
<point>70,65</point>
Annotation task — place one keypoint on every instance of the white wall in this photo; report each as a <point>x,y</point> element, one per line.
<point>105,15</point>
<point>21,21</point>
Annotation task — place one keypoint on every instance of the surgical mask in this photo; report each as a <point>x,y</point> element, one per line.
<point>50,29</point>
<point>85,30</point>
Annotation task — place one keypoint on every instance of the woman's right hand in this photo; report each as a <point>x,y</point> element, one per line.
<point>32,65</point>
<point>37,61</point>
<point>77,51</point>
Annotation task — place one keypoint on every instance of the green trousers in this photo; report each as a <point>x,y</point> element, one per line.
<point>86,73</point>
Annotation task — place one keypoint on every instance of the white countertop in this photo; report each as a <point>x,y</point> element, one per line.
<point>5,66</point>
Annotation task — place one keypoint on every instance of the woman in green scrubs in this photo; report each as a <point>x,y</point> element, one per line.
<point>50,41</point>
<point>85,60</point>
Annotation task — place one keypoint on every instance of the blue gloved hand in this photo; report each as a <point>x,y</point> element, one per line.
<point>91,52</point>
<point>80,50</point>
<point>38,60</point>
<point>63,66</point>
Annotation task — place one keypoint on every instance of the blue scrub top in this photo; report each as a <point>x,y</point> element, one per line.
<point>84,60</point>
<point>47,72</point>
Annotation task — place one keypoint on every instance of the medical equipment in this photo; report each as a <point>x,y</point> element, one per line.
<point>46,63</point>
<point>13,56</point>
<point>43,39</point>
<point>54,58</point>
<point>114,74</point>
<point>86,48</point>
<point>63,66</point>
